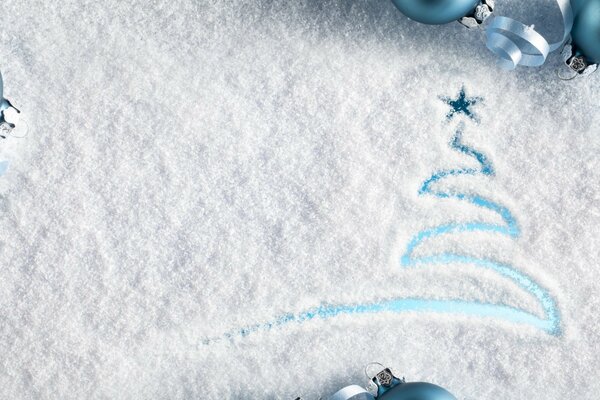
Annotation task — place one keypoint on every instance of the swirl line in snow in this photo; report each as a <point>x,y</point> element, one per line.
<point>549,323</point>
<point>551,320</point>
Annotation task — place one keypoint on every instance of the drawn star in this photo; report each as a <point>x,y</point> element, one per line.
<point>461,105</point>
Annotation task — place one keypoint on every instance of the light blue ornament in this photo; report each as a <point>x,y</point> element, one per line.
<point>416,391</point>
<point>386,386</point>
<point>586,31</point>
<point>390,387</point>
<point>5,105</point>
<point>577,4</point>
<point>435,12</point>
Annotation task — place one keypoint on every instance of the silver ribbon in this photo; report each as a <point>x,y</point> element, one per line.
<point>530,49</point>
<point>352,392</point>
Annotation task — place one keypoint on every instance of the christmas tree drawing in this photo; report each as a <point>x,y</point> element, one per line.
<point>549,322</point>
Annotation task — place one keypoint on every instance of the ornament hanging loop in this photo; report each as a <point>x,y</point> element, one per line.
<point>559,74</point>
<point>21,131</point>
<point>371,364</point>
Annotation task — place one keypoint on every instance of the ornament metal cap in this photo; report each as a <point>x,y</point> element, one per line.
<point>5,126</point>
<point>480,14</point>
<point>576,63</point>
<point>383,380</point>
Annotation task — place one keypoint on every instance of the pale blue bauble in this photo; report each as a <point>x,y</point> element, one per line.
<point>576,5</point>
<point>417,391</point>
<point>4,104</point>
<point>435,12</point>
<point>586,31</point>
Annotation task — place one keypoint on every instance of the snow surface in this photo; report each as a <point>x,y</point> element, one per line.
<point>196,167</point>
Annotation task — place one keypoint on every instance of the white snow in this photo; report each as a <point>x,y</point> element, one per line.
<point>195,167</point>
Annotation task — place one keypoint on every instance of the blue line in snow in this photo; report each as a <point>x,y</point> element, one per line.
<point>551,320</point>
<point>549,323</point>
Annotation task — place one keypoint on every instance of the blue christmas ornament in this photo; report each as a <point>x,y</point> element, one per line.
<point>417,391</point>
<point>582,53</point>
<point>390,387</point>
<point>576,5</point>
<point>586,31</point>
<point>385,386</point>
<point>4,105</point>
<point>436,12</point>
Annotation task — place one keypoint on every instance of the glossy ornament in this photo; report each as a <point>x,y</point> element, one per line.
<point>435,12</point>
<point>586,31</point>
<point>4,105</point>
<point>390,387</point>
<point>416,391</point>
<point>577,4</point>
<point>386,386</point>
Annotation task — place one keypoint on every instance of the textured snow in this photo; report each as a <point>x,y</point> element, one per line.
<point>196,167</point>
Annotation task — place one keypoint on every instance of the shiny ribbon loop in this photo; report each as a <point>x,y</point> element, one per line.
<point>518,44</point>
<point>353,392</point>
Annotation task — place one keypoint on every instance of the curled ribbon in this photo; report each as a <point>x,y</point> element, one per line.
<point>518,44</point>
<point>353,392</point>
